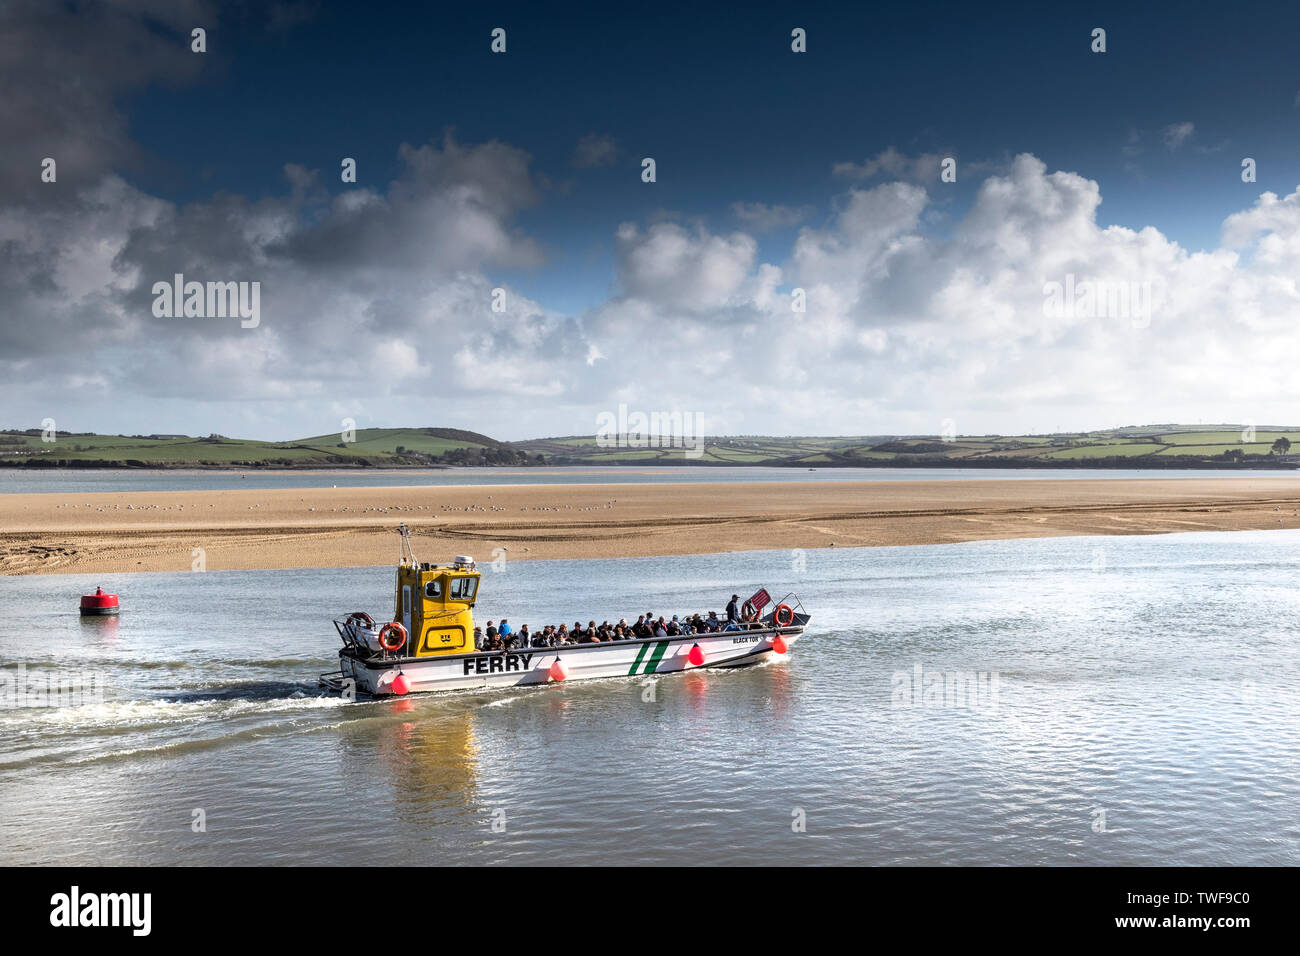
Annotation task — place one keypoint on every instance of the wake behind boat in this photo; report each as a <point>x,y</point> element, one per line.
<point>430,644</point>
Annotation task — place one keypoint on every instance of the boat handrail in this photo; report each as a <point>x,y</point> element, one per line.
<point>797,605</point>
<point>370,655</point>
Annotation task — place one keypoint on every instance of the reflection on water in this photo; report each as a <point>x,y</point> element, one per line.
<point>428,759</point>
<point>1145,711</point>
<point>100,631</point>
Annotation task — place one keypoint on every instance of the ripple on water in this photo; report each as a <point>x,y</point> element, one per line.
<point>1144,714</point>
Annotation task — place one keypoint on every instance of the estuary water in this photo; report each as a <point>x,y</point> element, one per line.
<point>1057,701</point>
<point>88,481</point>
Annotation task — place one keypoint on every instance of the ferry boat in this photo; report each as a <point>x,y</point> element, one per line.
<point>429,644</point>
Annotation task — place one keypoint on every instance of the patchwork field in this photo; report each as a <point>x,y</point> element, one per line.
<point>373,447</point>
<point>1157,446</point>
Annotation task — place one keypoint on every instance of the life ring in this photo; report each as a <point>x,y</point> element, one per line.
<point>389,628</point>
<point>748,612</point>
<point>789,615</point>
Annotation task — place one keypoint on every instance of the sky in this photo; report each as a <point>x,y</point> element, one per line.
<point>800,265</point>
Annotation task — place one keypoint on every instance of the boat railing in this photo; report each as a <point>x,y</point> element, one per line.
<point>363,650</point>
<point>368,654</point>
<point>792,601</point>
<point>800,613</point>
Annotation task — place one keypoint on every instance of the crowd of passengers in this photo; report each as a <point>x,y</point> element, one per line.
<point>503,636</point>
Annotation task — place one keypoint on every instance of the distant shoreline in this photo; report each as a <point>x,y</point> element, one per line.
<point>114,532</point>
<point>1171,463</point>
<point>1155,447</point>
<point>82,464</point>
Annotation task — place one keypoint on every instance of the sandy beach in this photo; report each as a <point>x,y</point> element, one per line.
<point>338,527</point>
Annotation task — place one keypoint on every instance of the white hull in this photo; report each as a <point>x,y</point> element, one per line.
<point>580,662</point>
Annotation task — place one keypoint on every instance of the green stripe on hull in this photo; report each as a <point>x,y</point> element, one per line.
<point>637,663</point>
<point>656,657</point>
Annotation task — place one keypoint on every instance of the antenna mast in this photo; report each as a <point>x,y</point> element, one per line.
<point>407,556</point>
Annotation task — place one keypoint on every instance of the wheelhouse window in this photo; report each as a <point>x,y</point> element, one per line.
<point>462,589</point>
<point>434,589</point>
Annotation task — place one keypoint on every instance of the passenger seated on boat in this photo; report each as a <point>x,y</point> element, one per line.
<point>661,630</point>
<point>491,633</point>
<point>562,635</point>
<point>674,628</point>
<point>713,622</point>
<point>505,630</point>
<point>478,638</point>
<point>638,629</point>
<point>523,638</point>
<point>495,644</point>
<point>732,626</point>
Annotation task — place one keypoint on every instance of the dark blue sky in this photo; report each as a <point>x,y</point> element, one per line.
<point>730,114</point>
<point>798,229</point>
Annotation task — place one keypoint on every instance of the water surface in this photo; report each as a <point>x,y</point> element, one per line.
<point>1144,712</point>
<point>85,481</point>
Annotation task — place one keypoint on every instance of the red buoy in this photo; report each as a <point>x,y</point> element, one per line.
<point>779,645</point>
<point>98,604</point>
<point>558,671</point>
<point>401,685</point>
<point>696,656</point>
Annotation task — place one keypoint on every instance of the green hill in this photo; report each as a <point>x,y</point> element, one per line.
<point>373,447</point>
<point>1150,446</point>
